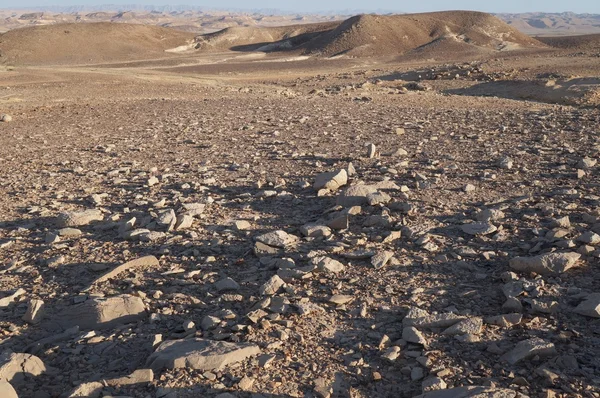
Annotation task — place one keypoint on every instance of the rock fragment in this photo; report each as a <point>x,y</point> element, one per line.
<point>331,181</point>
<point>78,218</point>
<point>272,286</point>
<point>7,390</point>
<point>100,313</point>
<point>142,262</point>
<point>199,354</point>
<point>380,259</point>
<point>14,367</point>
<point>546,264</point>
<point>590,307</point>
<point>327,264</point>
<point>35,312</point>
<point>279,239</point>
<point>479,228</point>
<point>529,348</point>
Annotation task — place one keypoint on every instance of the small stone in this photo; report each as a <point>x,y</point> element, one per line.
<point>467,326</point>
<point>242,225</point>
<point>505,163</point>
<point>340,299</point>
<point>209,322</point>
<point>469,188</point>
<point>184,221</point>
<point>323,388</point>
<point>546,264</point>
<point>226,285</point>
<point>6,118</point>
<point>331,181</point>
<point>590,307</point>
<point>589,238</point>
<point>272,286</point>
<point>504,321</point>
<point>246,383</point>
<point>315,231</point>
<point>69,232</point>
<point>327,264</point>
<point>277,239</point>
<point>586,163</point>
<point>200,354</point>
<point>433,384</point>
<point>380,259</point>
<point>371,151</point>
<point>377,198</point>
<point>479,228</point>
<point>528,349</point>
<point>152,181</point>
<point>35,312</point>
<point>413,335</point>
<point>391,354</point>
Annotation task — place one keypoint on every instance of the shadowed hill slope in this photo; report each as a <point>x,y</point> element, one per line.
<point>584,42</point>
<point>78,43</point>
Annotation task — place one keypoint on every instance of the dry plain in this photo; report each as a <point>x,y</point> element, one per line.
<point>324,216</point>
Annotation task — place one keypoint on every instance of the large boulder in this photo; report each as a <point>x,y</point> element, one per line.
<point>199,354</point>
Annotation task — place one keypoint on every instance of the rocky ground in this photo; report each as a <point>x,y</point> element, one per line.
<point>294,236</point>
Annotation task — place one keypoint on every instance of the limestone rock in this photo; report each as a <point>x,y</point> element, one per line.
<point>479,228</point>
<point>87,390</point>
<point>355,195</point>
<point>529,348</point>
<point>380,259</point>
<point>546,264</point>
<point>78,218</point>
<point>331,181</point>
<point>100,313</point>
<point>466,326</point>
<point>327,264</point>
<point>277,239</point>
<point>5,118</point>
<point>138,378</point>
<point>7,390</point>
<point>590,306</point>
<point>199,354</point>
<point>14,367</point>
<point>315,231</point>
<point>473,392</point>
<point>272,286</point>
<point>35,312</point>
<point>142,262</point>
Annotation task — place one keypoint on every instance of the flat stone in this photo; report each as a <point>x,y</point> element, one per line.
<point>184,221</point>
<point>242,225</point>
<point>194,209</point>
<point>8,300</point>
<point>331,181</point>
<point>590,238</point>
<point>479,228</point>
<point>327,264</point>
<point>381,259</point>
<point>377,198</point>
<point>140,377</point>
<point>78,218</point>
<point>413,335</point>
<point>279,239</point>
<point>315,231</point>
<point>355,195</point>
<point>100,313</point>
<point>142,262</point>
<point>466,326</point>
<point>69,232</point>
<point>504,321</point>
<point>421,319</point>
<point>546,264</point>
<point>590,307</point>
<point>340,299</point>
<point>473,392</point>
<point>490,215</point>
<point>199,354</point>
<point>14,367</point>
<point>87,390</point>
<point>528,349</point>
<point>226,284</point>
<point>272,286</point>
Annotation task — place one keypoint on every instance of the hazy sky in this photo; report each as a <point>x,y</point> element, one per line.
<point>580,6</point>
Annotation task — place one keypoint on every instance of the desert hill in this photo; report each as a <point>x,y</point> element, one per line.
<point>75,43</point>
<point>583,42</point>
<point>379,35</point>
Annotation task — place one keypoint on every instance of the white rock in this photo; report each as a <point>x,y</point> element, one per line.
<point>277,239</point>
<point>546,264</point>
<point>528,349</point>
<point>35,312</point>
<point>199,354</point>
<point>331,181</point>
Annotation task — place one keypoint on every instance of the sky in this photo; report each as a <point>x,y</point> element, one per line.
<point>502,6</point>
